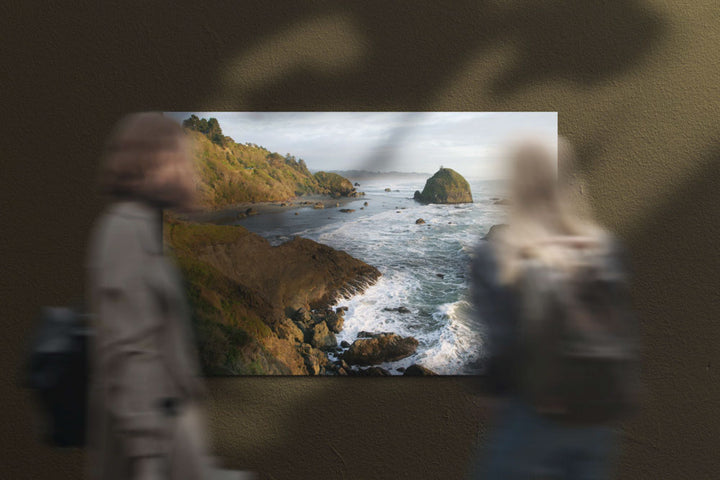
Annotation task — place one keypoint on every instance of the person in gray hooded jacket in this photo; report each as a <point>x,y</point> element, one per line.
<point>145,420</point>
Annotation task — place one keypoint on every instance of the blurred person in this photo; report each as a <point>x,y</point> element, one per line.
<point>144,419</point>
<point>551,289</point>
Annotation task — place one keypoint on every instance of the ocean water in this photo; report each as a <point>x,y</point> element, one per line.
<point>424,266</point>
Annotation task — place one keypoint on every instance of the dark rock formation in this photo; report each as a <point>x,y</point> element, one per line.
<point>322,337</point>
<point>398,309</point>
<point>419,221</point>
<point>347,210</point>
<point>375,372</point>
<point>386,347</point>
<point>446,186</point>
<point>335,322</point>
<point>334,184</point>
<point>314,359</point>
<point>288,330</point>
<point>416,370</point>
<point>366,334</point>
<point>302,315</point>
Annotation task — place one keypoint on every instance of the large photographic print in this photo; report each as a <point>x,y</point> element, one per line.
<point>337,243</point>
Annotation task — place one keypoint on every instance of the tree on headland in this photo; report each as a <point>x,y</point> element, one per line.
<point>211,128</point>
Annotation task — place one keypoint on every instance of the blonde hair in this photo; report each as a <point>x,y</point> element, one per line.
<point>543,220</point>
<point>147,158</point>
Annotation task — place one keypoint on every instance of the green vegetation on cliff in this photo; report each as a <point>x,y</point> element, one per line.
<point>446,186</point>
<point>242,290</point>
<point>333,184</point>
<point>231,172</point>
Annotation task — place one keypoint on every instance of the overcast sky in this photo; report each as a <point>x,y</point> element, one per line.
<point>470,142</point>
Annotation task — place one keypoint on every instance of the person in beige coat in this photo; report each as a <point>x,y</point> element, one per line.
<point>145,420</point>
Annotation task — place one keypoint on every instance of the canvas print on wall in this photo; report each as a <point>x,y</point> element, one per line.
<point>337,243</point>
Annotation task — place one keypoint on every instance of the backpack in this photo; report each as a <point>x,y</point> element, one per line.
<point>57,372</point>
<point>578,341</point>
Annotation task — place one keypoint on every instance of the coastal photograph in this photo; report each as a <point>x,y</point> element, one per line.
<point>338,243</point>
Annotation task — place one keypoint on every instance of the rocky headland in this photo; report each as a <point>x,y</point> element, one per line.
<point>262,309</point>
<point>233,174</point>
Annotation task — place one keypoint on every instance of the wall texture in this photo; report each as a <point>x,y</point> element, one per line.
<point>635,85</point>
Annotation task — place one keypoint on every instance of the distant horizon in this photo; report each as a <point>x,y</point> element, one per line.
<point>472,143</point>
<point>348,174</point>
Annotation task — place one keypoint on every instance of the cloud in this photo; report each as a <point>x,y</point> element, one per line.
<point>470,142</point>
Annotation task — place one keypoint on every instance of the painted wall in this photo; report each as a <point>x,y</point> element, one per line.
<point>635,83</point>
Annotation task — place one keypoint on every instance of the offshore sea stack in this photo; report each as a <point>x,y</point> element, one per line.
<point>446,186</point>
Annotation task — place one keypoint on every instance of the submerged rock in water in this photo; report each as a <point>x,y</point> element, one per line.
<point>419,221</point>
<point>385,347</point>
<point>446,186</point>
<point>398,309</point>
<point>366,334</point>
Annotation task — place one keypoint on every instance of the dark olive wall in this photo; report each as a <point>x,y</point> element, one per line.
<point>636,86</point>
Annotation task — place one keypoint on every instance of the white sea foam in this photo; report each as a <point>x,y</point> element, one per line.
<point>423,268</point>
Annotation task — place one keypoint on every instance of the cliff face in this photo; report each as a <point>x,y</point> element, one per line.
<point>229,172</point>
<point>245,295</point>
<point>446,186</point>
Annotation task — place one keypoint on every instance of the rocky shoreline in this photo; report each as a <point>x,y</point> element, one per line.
<point>315,330</point>
<point>232,213</point>
<point>262,309</point>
